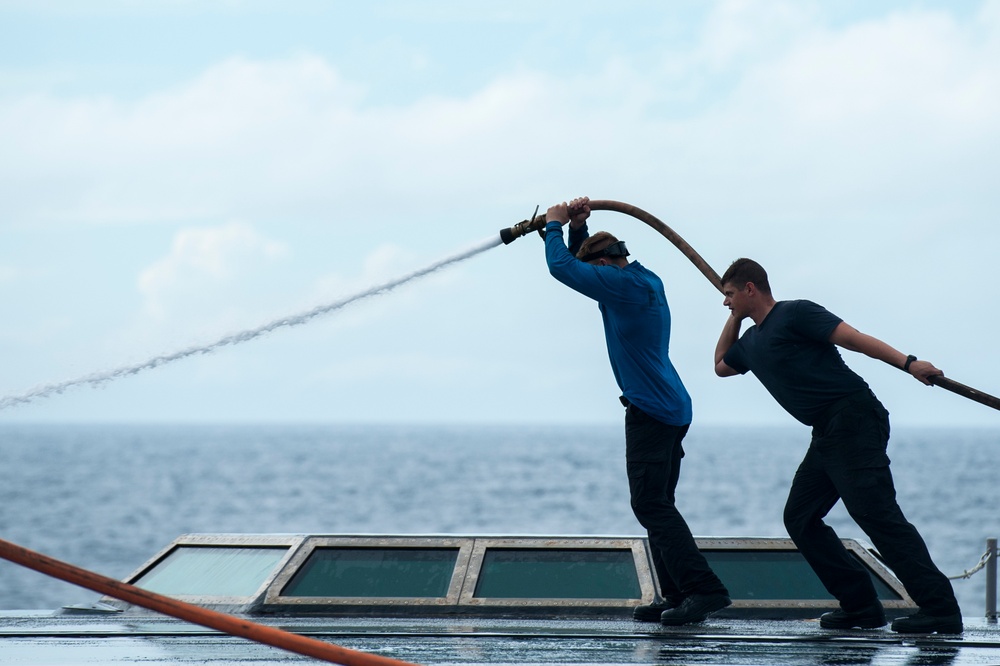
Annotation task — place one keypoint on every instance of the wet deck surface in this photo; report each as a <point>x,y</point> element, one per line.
<point>151,640</point>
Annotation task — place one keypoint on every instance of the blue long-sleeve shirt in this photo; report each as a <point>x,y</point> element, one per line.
<point>636,328</point>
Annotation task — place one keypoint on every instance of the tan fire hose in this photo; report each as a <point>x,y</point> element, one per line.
<point>538,222</point>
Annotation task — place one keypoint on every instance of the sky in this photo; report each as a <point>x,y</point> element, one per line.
<point>173,172</point>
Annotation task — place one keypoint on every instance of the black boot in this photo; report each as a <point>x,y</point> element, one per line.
<point>870,617</point>
<point>695,608</point>
<point>924,623</point>
<point>653,611</point>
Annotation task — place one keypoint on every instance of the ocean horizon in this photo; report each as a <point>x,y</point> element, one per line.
<point>107,497</point>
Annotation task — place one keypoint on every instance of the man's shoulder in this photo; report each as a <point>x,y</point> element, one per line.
<point>806,318</point>
<point>801,302</point>
<point>798,306</point>
<point>638,268</point>
<point>642,274</point>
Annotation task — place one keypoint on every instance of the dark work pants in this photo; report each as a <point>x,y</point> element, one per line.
<point>847,460</point>
<point>653,457</point>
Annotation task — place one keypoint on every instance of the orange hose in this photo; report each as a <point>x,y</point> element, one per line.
<point>309,647</point>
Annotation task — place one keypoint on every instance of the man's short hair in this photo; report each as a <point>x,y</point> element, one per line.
<point>745,270</point>
<point>596,243</point>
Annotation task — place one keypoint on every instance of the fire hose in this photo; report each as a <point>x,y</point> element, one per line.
<point>537,223</point>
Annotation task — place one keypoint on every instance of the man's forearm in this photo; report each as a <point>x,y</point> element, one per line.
<point>730,334</point>
<point>849,337</point>
<point>577,234</point>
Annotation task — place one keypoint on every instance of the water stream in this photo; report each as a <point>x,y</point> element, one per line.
<point>103,377</point>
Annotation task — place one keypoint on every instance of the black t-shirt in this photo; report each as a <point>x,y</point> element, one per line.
<point>791,354</point>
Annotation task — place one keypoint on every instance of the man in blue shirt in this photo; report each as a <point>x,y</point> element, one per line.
<point>792,350</point>
<point>658,409</point>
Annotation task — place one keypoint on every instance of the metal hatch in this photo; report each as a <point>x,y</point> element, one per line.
<point>371,573</point>
<point>428,575</point>
<point>767,576</point>
<point>556,574</point>
<point>224,571</point>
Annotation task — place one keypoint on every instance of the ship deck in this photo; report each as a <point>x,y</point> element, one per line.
<point>473,599</point>
<point>66,640</point>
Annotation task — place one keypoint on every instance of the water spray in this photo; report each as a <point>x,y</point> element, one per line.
<point>100,378</point>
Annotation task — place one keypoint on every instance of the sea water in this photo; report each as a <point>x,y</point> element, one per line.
<point>108,497</point>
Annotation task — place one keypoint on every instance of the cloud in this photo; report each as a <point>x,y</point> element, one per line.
<point>8,273</point>
<point>893,115</point>
<point>906,72</point>
<point>204,267</point>
<point>254,139</point>
<point>737,30</point>
<point>180,154</point>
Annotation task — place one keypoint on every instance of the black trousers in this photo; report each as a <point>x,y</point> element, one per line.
<point>653,457</point>
<point>847,460</point>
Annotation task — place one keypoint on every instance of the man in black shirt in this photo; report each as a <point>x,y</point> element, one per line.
<point>792,350</point>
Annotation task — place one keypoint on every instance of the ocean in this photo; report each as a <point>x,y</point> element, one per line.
<point>108,497</point>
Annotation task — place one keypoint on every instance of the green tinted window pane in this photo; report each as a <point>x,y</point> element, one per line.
<point>213,571</point>
<point>558,574</point>
<point>374,572</point>
<point>774,574</point>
